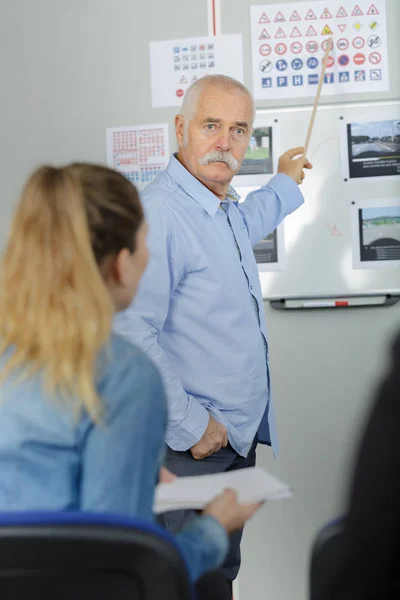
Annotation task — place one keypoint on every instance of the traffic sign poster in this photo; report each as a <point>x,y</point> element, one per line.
<point>176,64</point>
<point>286,36</point>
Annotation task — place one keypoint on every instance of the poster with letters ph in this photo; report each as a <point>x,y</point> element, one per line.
<point>288,42</point>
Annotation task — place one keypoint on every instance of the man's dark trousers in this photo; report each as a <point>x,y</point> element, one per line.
<point>184,465</point>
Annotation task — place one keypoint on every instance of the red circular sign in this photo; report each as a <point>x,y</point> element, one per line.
<point>375,58</point>
<point>179,93</point>
<point>265,50</point>
<point>343,44</point>
<point>358,43</point>
<point>312,46</point>
<point>330,62</point>
<point>359,58</point>
<point>296,47</point>
<point>281,48</point>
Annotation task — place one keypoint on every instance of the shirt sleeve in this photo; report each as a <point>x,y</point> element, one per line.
<point>143,321</point>
<point>204,545</point>
<point>264,209</point>
<point>120,456</point>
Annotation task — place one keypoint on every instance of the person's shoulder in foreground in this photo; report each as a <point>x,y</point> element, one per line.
<point>122,359</point>
<point>370,562</point>
<point>204,541</point>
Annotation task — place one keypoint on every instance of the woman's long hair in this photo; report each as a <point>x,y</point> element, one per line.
<point>55,309</point>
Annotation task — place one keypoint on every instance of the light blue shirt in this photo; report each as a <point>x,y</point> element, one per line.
<point>52,460</point>
<point>195,312</point>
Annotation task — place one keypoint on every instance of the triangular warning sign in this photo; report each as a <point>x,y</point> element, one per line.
<point>341,13</point>
<point>310,15</point>
<point>326,14</point>
<point>280,33</point>
<point>357,12</point>
<point>183,79</point>
<point>295,32</point>
<point>264,35</point>
<point>373,10</point>
<point>326,30</point>
<point>311,31</point>
<point>342,27</point>
<point>194,78</point>
<point>295,16</point>
<point>264,19</point>
<point>279,18</point>
<point>335,231</point>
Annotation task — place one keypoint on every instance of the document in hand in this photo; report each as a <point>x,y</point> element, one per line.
<point>252,485</point>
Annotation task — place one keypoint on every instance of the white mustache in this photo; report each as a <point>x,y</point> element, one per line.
<point>216,156</point>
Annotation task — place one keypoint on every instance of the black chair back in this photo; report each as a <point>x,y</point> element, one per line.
<point>87,559</point>
<point>325,558</point>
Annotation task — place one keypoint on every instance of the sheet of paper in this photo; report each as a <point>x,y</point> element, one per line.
<point>176,64</point>
<point>288,43</point>
<point>139,152</point>
<point>252,485</point>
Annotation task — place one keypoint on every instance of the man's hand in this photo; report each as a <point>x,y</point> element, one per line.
<point>214,438</point>
<point>294,168</point>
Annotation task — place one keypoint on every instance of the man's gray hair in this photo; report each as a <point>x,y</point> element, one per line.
<point>191,99</point>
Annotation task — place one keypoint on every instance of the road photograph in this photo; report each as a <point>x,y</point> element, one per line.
<point>374,148</point>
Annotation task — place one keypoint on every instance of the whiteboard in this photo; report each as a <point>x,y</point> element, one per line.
<point>320,238</point>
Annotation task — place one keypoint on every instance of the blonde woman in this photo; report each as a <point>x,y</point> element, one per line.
<point>83,412</point>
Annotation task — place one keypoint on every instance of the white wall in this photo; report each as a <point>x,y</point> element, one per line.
<point>325,366</point>
<point>69,69</point>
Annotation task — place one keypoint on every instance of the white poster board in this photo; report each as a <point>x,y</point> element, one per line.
<point>176,64</point>
<point>288,43</point>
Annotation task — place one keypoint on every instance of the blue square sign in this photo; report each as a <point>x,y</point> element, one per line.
<point>344,77</point>
<point>329,78</point>
<point>297,80</point>
<point>266,82</point>
<point>376,74</point>
<point>282,81</point>
<point>313,79</point>
<point>360,75</point>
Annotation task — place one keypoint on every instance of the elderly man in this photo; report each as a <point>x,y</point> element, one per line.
<point>199,310</point>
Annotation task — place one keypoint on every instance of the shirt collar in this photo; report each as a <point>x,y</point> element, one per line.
<point>195,189</point>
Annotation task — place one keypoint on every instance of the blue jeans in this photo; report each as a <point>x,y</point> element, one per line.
<point>184,465</point>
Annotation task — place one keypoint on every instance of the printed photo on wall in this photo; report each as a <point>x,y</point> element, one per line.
<point>266,251</point>
<point>376,233</point>
<point>269,252</point>
<point>258,159</point>
<point>261,159</point>
<point>372,149</point>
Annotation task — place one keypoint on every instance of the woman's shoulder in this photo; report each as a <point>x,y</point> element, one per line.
<point>124,364</point>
